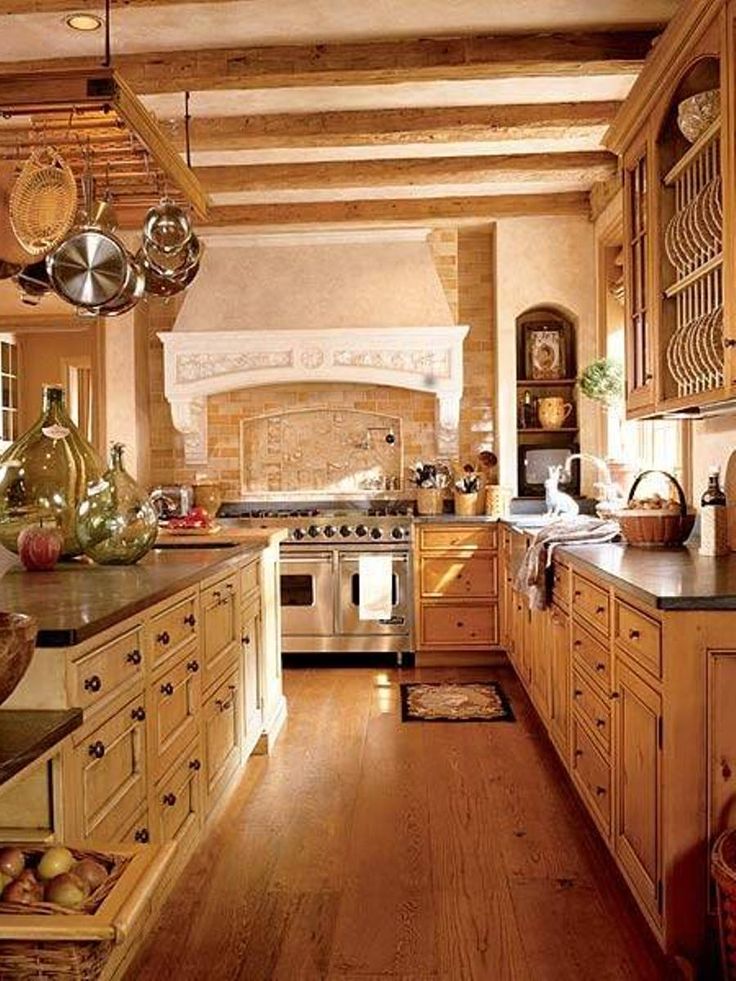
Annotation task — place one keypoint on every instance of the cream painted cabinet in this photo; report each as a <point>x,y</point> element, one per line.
<point>638,774</point>
<point>219,629</point>
<point>221,736</point>
<point>251,629</point>
<point>175,697</point>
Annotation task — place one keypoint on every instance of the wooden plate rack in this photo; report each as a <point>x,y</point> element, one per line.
<point>92,114</point>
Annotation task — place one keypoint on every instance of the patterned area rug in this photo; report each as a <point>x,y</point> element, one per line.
<point>457,701</point>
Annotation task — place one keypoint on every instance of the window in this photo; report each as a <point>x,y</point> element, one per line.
<point>79,389</point>
<point>8,390</point>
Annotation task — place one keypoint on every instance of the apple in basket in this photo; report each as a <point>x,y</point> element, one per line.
<point>39,547</point>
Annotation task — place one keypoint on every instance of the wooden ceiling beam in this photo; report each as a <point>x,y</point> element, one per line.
<point>523,168</point>
<point>385,127</point>
<point>411,211</point>
<point>378,62</point>
<point>10,7</point>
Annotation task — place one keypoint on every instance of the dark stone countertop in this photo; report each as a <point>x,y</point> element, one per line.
<point>454,519</point>
<point>25,735</point>
<point>665,578</point>
<point>78,600</point>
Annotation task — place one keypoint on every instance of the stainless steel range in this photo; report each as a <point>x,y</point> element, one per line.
<point>320,576</point>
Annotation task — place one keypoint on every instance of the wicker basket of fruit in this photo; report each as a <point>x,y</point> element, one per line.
<point>656,521</point>
<point>63,910</point>
<point>723,869</point>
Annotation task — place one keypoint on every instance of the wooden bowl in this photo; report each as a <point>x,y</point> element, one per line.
<point>17,643</point>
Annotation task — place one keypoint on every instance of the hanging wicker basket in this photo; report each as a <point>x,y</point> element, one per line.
<point>11,250</point>
<point>43,201</point>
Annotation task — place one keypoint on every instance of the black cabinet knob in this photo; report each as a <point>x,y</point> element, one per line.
<point>246,639</point>
<point>142,836</point>
<point>163,638</point>
<point>93,683</point>
<point>134,657</point>
<point>167,688</point>
<point>193,666</point>
<point>138,714</point>
<point>195,764</point>
<point>96,749</point>
<point>190,620</point>
<point>169,799</point>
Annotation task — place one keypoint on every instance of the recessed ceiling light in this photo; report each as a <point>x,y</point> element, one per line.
<point>82,21</point>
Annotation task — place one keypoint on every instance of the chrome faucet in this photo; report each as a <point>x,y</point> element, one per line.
<point>612,494</point>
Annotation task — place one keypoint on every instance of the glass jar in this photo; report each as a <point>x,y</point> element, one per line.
<point>116,522</point>
<point>44,475</point>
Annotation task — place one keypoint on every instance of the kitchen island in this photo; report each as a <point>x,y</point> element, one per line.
<point>176,664</point>
<point>632,670</point>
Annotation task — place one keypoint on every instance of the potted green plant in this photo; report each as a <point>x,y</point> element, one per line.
<point>466,491</point>
<point>430,480</point>
<point>603,381</point>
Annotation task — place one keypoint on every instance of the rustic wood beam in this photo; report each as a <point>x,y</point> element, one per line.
<point>385,127</point>
<point>378,62</point>
<point>456,210</point>
<point>10,7</point>
<point>523,168</point>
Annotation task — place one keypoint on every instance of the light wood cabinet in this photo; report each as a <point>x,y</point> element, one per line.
<point>250,638</point>
<point>107,670</point>
<point>174,625</point>
<point>456,586</point>
<point>175,697</point>
<point>220,629</point>
<point>177,805</point>
<point>540,661</point>
<point>638,773</point>
<point>558,646</point>
<point>221,736</point>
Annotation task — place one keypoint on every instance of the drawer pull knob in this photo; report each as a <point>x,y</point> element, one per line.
<point>578,693</point>
<point>246,639</point>
<point>600,791</point>
<point>217,595</point>
<point>460,623</point>
<point>634,634</point>
<point>600,610</point>
<point>578,752</point>
<point>190,620</point>
<point>93,683</point>
<point>615,694</point>
<point>222,705</point>
<point>142,836</point>
<point>139,714</point>
<point>163,638</point>
<point>577,594</point>
<point>167,688</point>
<point>600,667</point>
<point>600,723</point>
<point>134,657</point>
<point>195,764</point>
<point>193,666</point>
<point>577,643</point>
<point>169,799</point>
<point>97,749</point>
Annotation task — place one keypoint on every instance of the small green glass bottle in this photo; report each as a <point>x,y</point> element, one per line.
<point>44,474</point>
<point>116,522</point>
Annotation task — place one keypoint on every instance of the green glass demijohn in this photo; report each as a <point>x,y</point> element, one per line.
<point>44,475</point>
<point>116,522</point>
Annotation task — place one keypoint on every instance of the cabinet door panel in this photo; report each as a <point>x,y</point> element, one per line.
<point>252,698</point>
<point>176,696</point>
<point>219,641</point>
<point>460,575</point>
<point>637,771</point>
<point>221,723</point>
<point>540,662</point>
<point>558,643</point>
<point>639,354</point>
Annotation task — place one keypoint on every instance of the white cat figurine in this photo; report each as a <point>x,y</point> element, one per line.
<point>559,504</point>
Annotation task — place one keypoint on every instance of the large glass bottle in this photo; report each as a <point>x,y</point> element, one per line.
<point>116,522</point>
<point>44,475</point>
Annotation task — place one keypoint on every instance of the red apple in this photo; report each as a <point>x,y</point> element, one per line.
<point>92,873</point>
<point>39,548</point>
<point>12,861</point>
<point>66,890</point>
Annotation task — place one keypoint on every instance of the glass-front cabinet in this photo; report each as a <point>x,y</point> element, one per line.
<point>675,136</point>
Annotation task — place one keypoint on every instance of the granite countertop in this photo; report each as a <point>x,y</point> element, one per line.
<point>460,519</point>
<point>78,599</point>
<point>665,578</point>
<point>25,735</point>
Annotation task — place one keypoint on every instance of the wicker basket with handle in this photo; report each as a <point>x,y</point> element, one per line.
<point>656,527</point>
<point>723,870</point>
<point>54,943</point>
<point>43,201</point>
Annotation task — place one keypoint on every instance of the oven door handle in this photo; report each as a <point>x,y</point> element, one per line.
<point>311,559</point>
<point>394,621</point>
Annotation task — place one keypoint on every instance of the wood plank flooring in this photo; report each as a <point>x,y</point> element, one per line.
<point>367,848</point>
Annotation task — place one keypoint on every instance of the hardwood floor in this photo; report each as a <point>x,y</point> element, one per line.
<point>369,848</point>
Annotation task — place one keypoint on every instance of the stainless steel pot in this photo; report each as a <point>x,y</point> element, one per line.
<point>167,227</point>
<point>8,269</point>
<point>89,268</point>
<point>34,283</point>
<point>132,292</point>
<point>173,265</point>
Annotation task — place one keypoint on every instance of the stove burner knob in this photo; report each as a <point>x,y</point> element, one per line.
<point>346,531</point>
<point>397,532</point>
<point>330,531</point>
<point>298,533</point>
<point>376,533</point>
<point>313,531</point>
<point>361,531</point>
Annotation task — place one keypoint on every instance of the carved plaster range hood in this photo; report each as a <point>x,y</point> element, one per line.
<point>348,307</point>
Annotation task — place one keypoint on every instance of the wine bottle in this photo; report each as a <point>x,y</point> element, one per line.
<point>713,521</point>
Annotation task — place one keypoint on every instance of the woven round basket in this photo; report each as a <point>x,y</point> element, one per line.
<point>656,528</point>
<point>11,251</point>
<point>72,959</point>
<point>723,870</point>
<point>43,201</point>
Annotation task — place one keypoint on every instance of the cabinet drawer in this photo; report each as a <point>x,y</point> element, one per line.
<point>561,584</point>
<point>592,774</point>
<point>221,728</point>
<point>249,580</point>
<point>591,603</point>
<point>176,697</point>
<point>463,536</point>
<point>138,830</point>
<point>590,652</point>
<point>593,709</point>
<point>178,799</point>
<point>174,626</point>
<point>469,574</point>
<point>107,670</point>
<point>459,626</point>
<point>639,636</point>
<point>111,761</point>
<point>220,634</point>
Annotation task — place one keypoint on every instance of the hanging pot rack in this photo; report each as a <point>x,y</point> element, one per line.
<point>93,115</point>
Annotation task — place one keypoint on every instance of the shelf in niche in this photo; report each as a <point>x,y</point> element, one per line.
<point>693,152</point>
<point>544,382</point>
<point>536,431</point>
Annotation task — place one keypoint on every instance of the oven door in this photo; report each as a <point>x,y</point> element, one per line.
<point>348,615</point>
<point>307,594</point>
